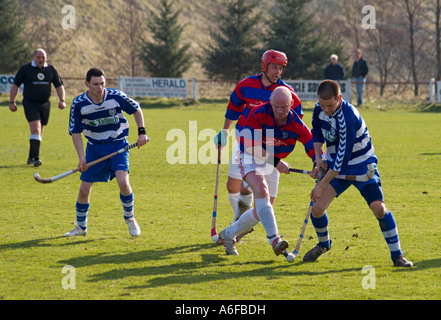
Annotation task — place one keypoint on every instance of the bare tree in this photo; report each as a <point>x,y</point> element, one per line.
<point>435,8</point>
<point>131,21</point>
<point>352,14</point>
<point>413,9</point>
<point>383,42</point>
<point>125,41</point>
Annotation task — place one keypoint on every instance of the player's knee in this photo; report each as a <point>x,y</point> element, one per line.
<point>233,185</point>
<point>261,191</point>
<point>378,208</point>
<point>124,188</point>
<point>318,210</point>
<point>84,192</point>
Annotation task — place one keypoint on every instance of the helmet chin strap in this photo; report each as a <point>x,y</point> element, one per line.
<point>268,78</point>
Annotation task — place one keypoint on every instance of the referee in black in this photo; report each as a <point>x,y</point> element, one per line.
<point>37,77</point>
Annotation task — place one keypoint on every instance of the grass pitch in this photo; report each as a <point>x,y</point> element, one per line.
<point>175,258</point>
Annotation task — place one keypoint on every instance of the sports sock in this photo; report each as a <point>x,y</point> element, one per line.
<point>266,215</point>
<point>82,210</point>
<point>34,146</point>
<point>234,199</point>
<point>127,202</point>
<point>390,232</point>
<point>246,199</point>
<point>246,221</point>
<point>321,228</point>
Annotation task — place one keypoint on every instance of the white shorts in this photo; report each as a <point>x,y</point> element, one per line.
<point>234,168</point>
<point>271,175</point>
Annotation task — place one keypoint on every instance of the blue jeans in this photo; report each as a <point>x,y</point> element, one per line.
<point>359,83</point>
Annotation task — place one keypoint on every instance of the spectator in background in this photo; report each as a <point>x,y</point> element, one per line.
<point>359,71</point>
<point>37,77</point>
<point>334,70</point>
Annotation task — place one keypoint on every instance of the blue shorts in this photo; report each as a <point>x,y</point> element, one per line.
<point>105,170</point>
<point>370,190</point>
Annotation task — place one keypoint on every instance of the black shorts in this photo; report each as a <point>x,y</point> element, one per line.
<point>37,110</point>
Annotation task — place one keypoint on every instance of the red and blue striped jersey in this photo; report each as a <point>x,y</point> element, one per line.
<point>261,129</point>
<point>249,93</point>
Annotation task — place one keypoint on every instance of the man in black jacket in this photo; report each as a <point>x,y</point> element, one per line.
<point>359,71</point>
<point>334,70</point>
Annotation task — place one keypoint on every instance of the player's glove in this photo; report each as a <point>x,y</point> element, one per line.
<point>221,138</point>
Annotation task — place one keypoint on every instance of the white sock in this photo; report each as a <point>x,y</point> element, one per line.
<point>266,215</point>
<point>247,199</point>
<point>234,199</point>
<point>246,220</point>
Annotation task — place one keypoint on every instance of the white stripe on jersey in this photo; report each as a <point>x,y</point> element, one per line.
<point>92,108</point>
<point>361,145</point>
<point>362,158</point>
<point>106,134</point>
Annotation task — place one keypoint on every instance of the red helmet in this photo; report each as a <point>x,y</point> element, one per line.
<point>273,56</point>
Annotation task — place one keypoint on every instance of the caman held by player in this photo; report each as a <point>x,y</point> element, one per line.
<point>249,93</point>
<point>98,114</point>
<point>349,150</point>
<point>270,135</point>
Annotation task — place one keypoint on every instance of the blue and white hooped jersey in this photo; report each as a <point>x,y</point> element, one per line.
<point>348,144</point>
<point>104,122</point>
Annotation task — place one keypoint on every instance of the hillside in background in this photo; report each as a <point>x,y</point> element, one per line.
<point>395,51</point>
<point>98,39</point>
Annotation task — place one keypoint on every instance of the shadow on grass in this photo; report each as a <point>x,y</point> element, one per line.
<point>430,107</point>
<point>187,272</point>
<point>12,166</point>
<point>29,244</point>
<point>422,265</point>
<point>183,273</point>
<point>141,256</point>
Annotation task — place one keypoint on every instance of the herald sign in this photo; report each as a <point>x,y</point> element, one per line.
<point>154,87</point>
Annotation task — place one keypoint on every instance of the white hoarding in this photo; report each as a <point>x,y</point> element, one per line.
<point>306,90</point>
<point>154,87</point>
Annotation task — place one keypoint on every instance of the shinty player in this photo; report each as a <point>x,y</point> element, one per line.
<point>249,93</point>
<point>348,151</point>
<point>98,115</point>
<point>269,136</point>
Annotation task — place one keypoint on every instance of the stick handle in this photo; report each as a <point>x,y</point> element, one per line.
<point>299,171</point>
<point>213,219</point>
<point>68,173</point>
<point>109,155</point>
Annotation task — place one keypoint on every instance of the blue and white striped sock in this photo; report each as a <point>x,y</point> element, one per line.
<point>127,202</point>
<point>390,232</point>
<point>321,228</point>
<point>82,210</point>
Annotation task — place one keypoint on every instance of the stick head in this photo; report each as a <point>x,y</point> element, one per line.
<point>40,179</point>
<point>371,170</point>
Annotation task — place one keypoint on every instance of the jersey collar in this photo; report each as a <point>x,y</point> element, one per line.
<point>34,65</point>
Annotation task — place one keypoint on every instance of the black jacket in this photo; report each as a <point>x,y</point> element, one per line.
<point>360,68</point>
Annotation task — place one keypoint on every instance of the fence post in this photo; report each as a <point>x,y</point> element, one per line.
<point>432,90</point>
<point>195,90</point>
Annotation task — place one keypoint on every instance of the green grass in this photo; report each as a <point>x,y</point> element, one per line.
<point>174,258</point>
